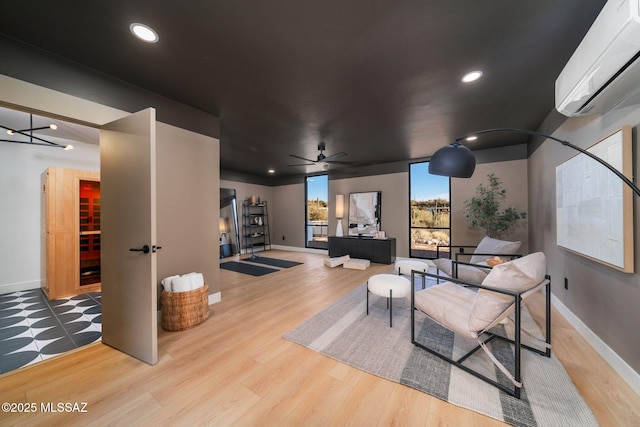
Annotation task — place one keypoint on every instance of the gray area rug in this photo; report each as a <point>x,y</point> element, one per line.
<point>344,332</point>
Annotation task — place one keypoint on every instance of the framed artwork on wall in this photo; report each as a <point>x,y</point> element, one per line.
<point>594,208</point>
<point>364,213</point>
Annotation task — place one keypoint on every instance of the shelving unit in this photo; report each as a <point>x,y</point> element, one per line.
<point>255,221</point>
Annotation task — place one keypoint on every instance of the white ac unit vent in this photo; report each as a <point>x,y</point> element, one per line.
<point>605,68</point>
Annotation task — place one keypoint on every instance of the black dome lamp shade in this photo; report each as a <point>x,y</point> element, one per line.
<point>454,160</point>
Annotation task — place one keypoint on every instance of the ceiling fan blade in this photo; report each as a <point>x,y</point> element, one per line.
<point>302,158</point>
<point>333,156</point>
<point>303,164</point>
<point>333,162</point>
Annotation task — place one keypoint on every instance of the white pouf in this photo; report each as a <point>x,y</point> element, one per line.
<point>405,266</point>
<point>389,286</point>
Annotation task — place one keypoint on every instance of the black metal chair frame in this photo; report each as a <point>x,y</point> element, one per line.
<point>517,341</point>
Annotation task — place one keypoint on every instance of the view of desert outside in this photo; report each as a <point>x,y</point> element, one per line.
<point>430,212</point>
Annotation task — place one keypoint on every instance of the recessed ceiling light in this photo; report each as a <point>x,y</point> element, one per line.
<point>271,171</point>
<point>144,32</point>
<point>472,76</point>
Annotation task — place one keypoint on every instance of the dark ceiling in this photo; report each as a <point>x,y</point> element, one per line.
<point>379,80</point>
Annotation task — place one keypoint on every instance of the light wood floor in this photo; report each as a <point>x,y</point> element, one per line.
<point>236,369</point>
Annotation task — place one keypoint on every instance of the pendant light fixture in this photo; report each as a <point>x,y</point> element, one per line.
<point>33,140</point>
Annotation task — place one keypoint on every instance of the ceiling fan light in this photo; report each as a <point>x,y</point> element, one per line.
<point>454,160</point>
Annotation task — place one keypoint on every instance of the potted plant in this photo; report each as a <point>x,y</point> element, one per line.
<point>484,212</point>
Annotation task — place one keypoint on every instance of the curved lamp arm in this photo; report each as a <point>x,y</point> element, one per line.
<point>530,132</point>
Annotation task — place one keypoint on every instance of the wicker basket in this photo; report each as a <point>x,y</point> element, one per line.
<point>184,310</point>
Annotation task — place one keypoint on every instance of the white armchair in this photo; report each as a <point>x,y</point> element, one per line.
<point>471,310</point>
<point>467,262</point>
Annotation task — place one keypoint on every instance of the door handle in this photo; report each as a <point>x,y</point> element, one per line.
<point>145,249</point>
<point>155,248</point>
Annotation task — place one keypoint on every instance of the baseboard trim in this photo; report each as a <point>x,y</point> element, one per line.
<point>298,249</point>
<point>15,287</point>
<point>628,374</point>
<point>215,298</point>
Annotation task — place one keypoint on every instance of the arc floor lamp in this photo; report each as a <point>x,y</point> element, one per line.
<point>457,161</point>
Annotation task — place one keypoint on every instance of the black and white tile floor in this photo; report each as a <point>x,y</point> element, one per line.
<point>32,328</point>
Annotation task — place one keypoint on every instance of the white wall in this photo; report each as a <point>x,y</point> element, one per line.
<point>21,167</point>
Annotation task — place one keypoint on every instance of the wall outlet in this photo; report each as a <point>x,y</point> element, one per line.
<point>566,283</point>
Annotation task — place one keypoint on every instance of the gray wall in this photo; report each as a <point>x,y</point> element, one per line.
<point>394,218</point>
<point>287,202</point>
<point>188,204</point>
<point>513,174</point>
<point>604,299</point>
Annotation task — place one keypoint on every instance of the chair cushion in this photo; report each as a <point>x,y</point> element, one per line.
<point>518,275</point>
<point>466,273</point>
<point>489,245</point>
<point>449,305</point>
<point>380,284</point>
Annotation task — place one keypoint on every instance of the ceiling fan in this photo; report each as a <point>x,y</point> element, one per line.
<point>321,157</point>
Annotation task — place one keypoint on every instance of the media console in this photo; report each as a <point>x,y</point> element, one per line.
<point>381,251</point>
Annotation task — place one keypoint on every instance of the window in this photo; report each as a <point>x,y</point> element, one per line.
<point>429,207</point>
<point>317,211</point>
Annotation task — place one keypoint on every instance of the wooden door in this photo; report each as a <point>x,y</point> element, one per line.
<point>129,274</point>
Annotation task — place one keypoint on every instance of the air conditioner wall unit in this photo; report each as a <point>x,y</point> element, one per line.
<point>605,68</point>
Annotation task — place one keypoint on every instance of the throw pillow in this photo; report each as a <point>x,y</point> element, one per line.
<point>518,275</point>
<point>492,246</point>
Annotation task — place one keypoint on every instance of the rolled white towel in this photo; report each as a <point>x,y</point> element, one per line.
<point>166,283</point>
<point>197,280</point>
<point>181,284</point>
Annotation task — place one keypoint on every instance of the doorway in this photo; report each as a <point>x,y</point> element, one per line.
<point>32,327</point>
